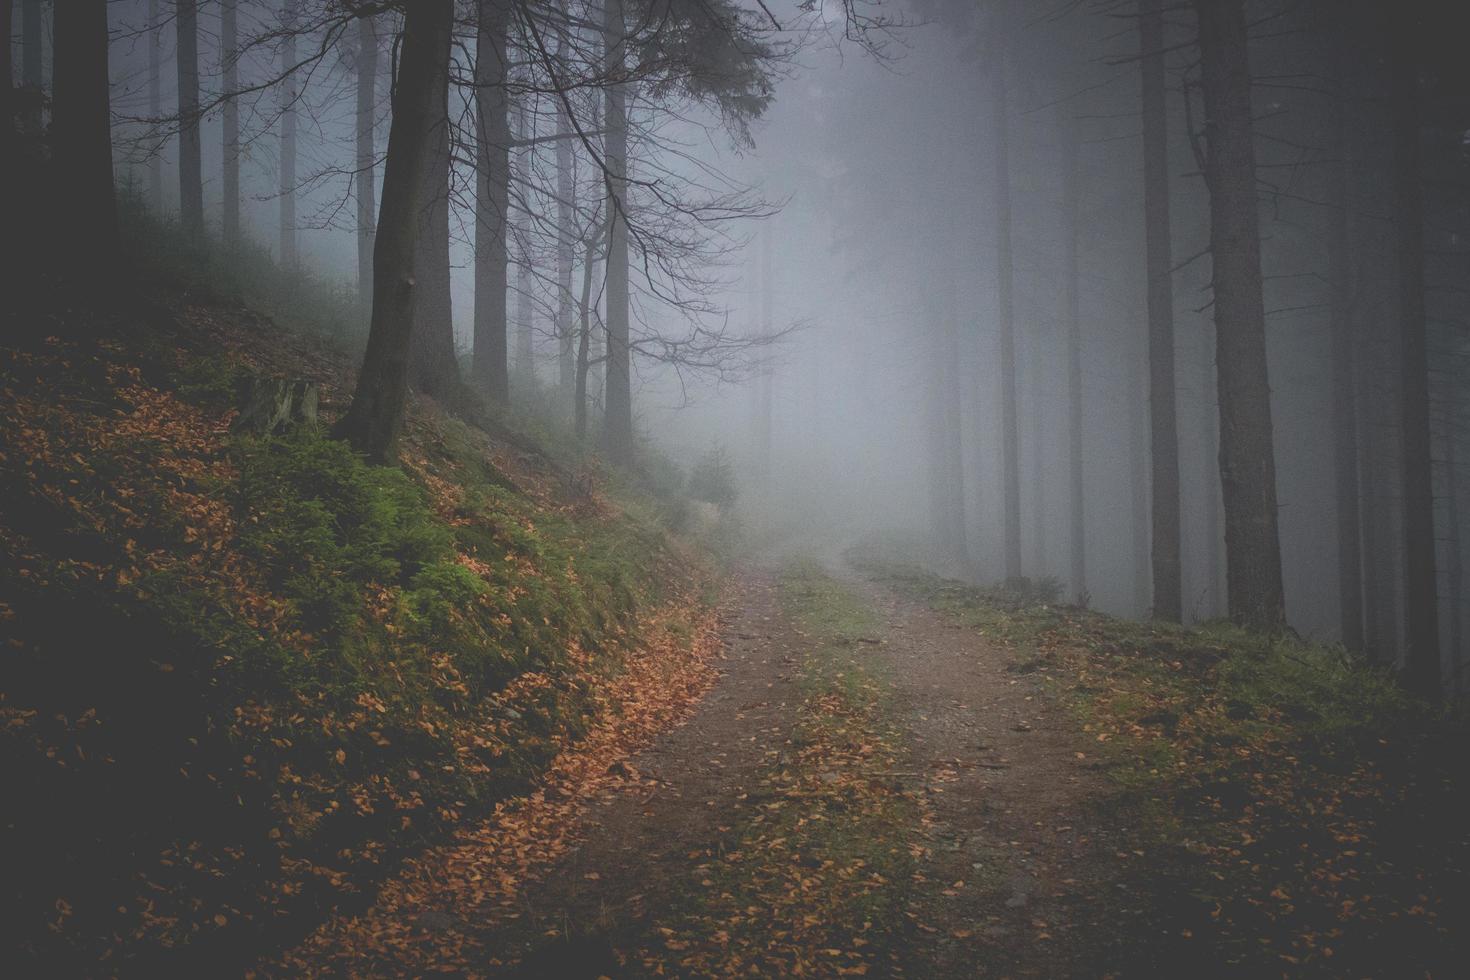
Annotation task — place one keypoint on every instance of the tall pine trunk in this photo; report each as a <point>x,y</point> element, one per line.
<point>81,130</point>
<point>373,421</point>
<point>1138,470</point>
<point>1168,600</point>
<point>1344,373</point>
<point>155,102</point>
<point>524,366</point>
<point>32,74</point>
<point>367,104</point>
<point>432,367</point>
<point>289,96</point>
<point>1247,451</point>
<point>1422,670</point>
<point>952,448</point>
<point>1072,282</point>
<point>618,397</point>
<point>492,202</point>
<point>1005,274</point>
<point>229,64</point>
<point>584,334</point>
<point>566,204</point>
<point>191,174</point>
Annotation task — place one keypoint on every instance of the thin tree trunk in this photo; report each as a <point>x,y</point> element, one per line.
<point>155,101</point>
<point>492,202</point>
<point>1455,544</point>
<point>32,74</point>
<point>1168,600</point>
<point>81,129</point>
<point>367,151</point>
<point>289,95</point>
<point>952,447</point>
<point>191,174</point>
<point>1422,669</point>
<point>229,63</point>
<point>1038,451</point>
<point>584,335</point>
<point>1212,504</point>
<point>566,194</point>
<point>1077,525</point>
<point>375,417</point>
<point>525,368</point>
<point>764,386</point>
<point>618,397</point>
<point>1138,468</point>
<point>1344,376</point>
<point>1247,451</point>
<point>8,148</point>
<point>1010,436</point>
<point>432,367</point>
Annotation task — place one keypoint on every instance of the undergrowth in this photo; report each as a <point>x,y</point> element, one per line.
<point>244,675</point>
<point>1286,808</point>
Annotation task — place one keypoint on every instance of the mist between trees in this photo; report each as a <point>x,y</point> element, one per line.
<point>1162,300</point>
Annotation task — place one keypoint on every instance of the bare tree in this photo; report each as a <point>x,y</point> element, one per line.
<point>1163,426</point>
<point>1422,670</point>
<point>191,172</point>
<point>230,68</point>
<point>1005,276</point>
<point>289,95</point>
<point>366,66</point>
<point>492,201</point>
<point>373,420</point>
<point>82,139</point>
<point>618,414</point>
<point>1247,452</point>
<point>1072,276</point>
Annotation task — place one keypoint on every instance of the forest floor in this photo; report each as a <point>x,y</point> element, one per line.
<point>869,788</point>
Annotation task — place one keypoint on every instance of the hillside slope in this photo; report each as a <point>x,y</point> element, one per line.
<point>243,675</point>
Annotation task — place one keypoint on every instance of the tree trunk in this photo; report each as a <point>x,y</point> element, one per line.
<point>765,393</point>
<point>229,63</point>
<point>566,194</point>
<point>1247,453</point>
<point>81,130</point>
<point>432,367</point>
<point>618,398</point>
<point>1210,457</point>
<point>1010,436</point>
<point>1138,468</point>
<point>1072,281</point>
<point>525,367</point>
<point>1037,384</point>
<point>373,420</point>
<point>1456,548</point>
<point>191,174</point>
<point>32,75</point>
<point>367,151</point>
<point>584,336</point>
<point>492,202</point>
<point>155,102</point>
<point>1168,600</point>
<point>289,95</point>
<point>952,444</point>
<point>1344,375</point>
<point>1422,670</point>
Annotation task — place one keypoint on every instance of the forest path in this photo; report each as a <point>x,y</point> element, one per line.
<point>865,790</point>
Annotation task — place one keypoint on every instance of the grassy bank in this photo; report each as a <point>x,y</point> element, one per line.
<point>1280,808</point>
<point>244,675</point>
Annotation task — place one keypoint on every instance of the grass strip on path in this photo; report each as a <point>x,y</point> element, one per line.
<point>817,880</point>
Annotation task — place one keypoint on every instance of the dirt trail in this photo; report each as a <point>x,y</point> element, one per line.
<point>999,888</point>
<point>623,880</point>
<point>1010,869</point>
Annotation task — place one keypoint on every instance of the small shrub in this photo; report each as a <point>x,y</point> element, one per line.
<point>713,479</point>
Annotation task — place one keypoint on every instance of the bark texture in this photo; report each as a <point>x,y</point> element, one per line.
<point>1247,452</point>
<point>191,172</point>
<point>618,398</point>
<point>1422,671</point>
<point>81,131</point>
<point>1168,600</point>
<point>230,177</point>
<point>492,202</point>
<point>367,192</point>
<point>373,421</point>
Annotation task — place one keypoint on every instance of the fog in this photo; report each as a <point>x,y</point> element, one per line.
<point>854,274</point>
